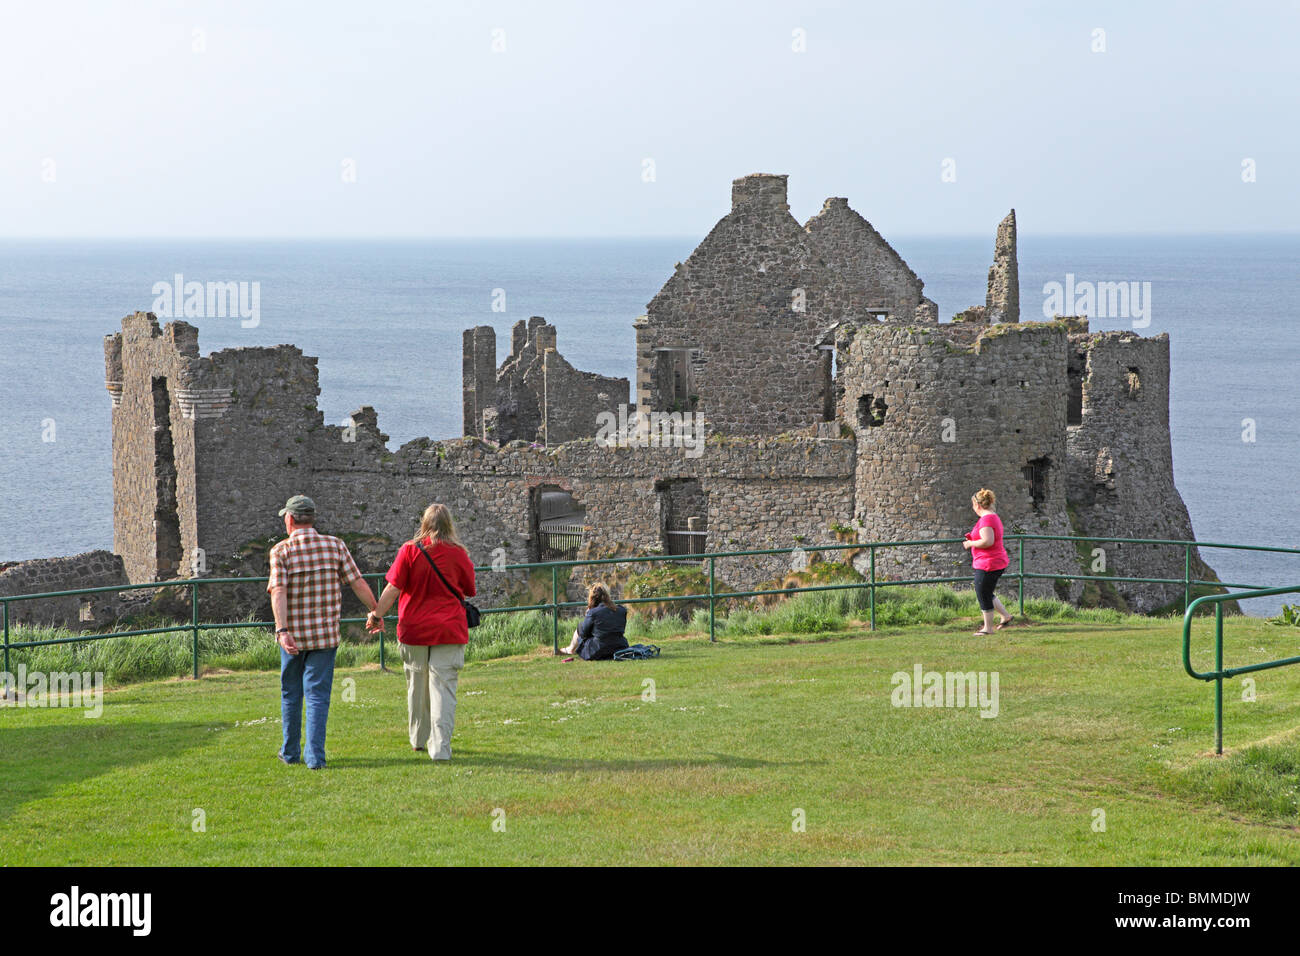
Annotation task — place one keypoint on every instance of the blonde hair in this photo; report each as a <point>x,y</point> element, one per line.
<point>985,499</point>
<point>436,523</point>
<point>599,594</point>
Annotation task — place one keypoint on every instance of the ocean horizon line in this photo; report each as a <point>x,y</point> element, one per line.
<point>625,237</point>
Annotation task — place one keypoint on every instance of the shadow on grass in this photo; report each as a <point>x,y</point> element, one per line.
<point>544,763</point>
<point>36,761</point>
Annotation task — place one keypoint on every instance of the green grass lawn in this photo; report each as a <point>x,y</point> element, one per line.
<point>742,734</point>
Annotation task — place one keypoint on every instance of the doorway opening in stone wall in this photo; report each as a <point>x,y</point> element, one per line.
<point>683,515</point>
<point>1036,473</point>
<point>558,521</point>
<point>1076,368</point>
<point>166,522</point>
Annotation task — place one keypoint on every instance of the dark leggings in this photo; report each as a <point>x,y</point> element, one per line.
<point>985,582</point>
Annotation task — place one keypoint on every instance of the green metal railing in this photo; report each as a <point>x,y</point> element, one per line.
<point>1221,673</point>
<point>872,583</point>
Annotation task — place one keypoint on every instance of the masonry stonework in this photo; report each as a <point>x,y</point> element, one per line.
<point>1121,463</point>
<point>87,612</point>
<point>536,395</point>
<point>831,396</point>
<point>940,413</point>
<point>1003,299</point>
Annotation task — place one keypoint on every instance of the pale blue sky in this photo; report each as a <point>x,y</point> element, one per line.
<point>148,137</point>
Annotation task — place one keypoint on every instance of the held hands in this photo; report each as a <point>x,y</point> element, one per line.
<point>374,623</point>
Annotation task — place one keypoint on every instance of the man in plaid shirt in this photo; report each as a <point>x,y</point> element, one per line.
<point>307,570</point>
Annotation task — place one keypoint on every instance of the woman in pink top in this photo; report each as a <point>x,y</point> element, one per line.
<point>989,558</point>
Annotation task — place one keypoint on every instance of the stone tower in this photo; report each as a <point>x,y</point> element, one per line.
<point>940,413</point>
<point>1121,472</point>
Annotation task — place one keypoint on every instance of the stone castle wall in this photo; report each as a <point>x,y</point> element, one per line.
<point>88,612</point>
<point>756,364</point>
<point>536,395</point>
<point>1070,430</point>
<point>866,275</point>
<point>937,419</point>
<point>237,423</point>
<point>1121,463</point>
<point>153,524</point>
<point>270,442</point>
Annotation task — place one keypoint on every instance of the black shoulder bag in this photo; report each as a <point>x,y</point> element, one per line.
<point>472,614</point>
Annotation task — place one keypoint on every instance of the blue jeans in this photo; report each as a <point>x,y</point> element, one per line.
<point>307,674</point>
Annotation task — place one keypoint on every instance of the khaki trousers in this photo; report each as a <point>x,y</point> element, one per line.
<point>431,675</point>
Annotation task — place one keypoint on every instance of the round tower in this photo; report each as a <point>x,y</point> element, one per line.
<point>942,411</point>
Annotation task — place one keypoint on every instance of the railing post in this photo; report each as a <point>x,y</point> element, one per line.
<point>1022,577</point>
<point>873,587</point>
<point>1218,682</point>
<point>194,622</point>
<point>382,664</point>
<point>1187,576</point>
<point>6,616</point>
<point>712,635</point>
<point>555,611</point>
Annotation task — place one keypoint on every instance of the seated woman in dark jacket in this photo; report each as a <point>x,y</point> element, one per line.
<point>601,632</point>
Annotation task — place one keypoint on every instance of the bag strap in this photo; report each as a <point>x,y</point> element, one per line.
<point>439,573</point>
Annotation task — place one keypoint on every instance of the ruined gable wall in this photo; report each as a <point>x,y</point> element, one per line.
<point>1004,401</point>
<point>758,369</point>
<point>1120,462</point>
<point>866,273</point>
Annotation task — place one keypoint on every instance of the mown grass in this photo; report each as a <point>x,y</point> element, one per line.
<point>711,762</point>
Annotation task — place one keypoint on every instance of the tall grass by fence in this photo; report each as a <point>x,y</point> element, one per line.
<point>505,630</point>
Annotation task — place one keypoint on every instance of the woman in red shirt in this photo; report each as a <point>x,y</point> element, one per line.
<point>989,558</point>
<point>431,626</point>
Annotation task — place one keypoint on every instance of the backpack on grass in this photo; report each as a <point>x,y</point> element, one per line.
<point>637,652</point>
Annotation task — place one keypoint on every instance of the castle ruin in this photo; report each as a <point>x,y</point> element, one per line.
<point>826,392</point>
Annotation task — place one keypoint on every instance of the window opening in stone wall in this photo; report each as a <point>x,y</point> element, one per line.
<point>871,411</point>
<point>166,522</point>
<point>1074,394</point>
<point>1133,380</point>
<point>559,521</point>
<point>1036,474</point>
<point>674,380</point>
<point>828,383</point>
<point>684,513</point>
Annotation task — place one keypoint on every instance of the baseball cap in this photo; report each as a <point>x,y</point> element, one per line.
<point>299,506</point>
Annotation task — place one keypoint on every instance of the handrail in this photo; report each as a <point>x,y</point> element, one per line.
<point>871,583</point>
<point>1220,673</point>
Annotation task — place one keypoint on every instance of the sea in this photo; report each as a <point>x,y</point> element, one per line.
<point>385,319</point>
